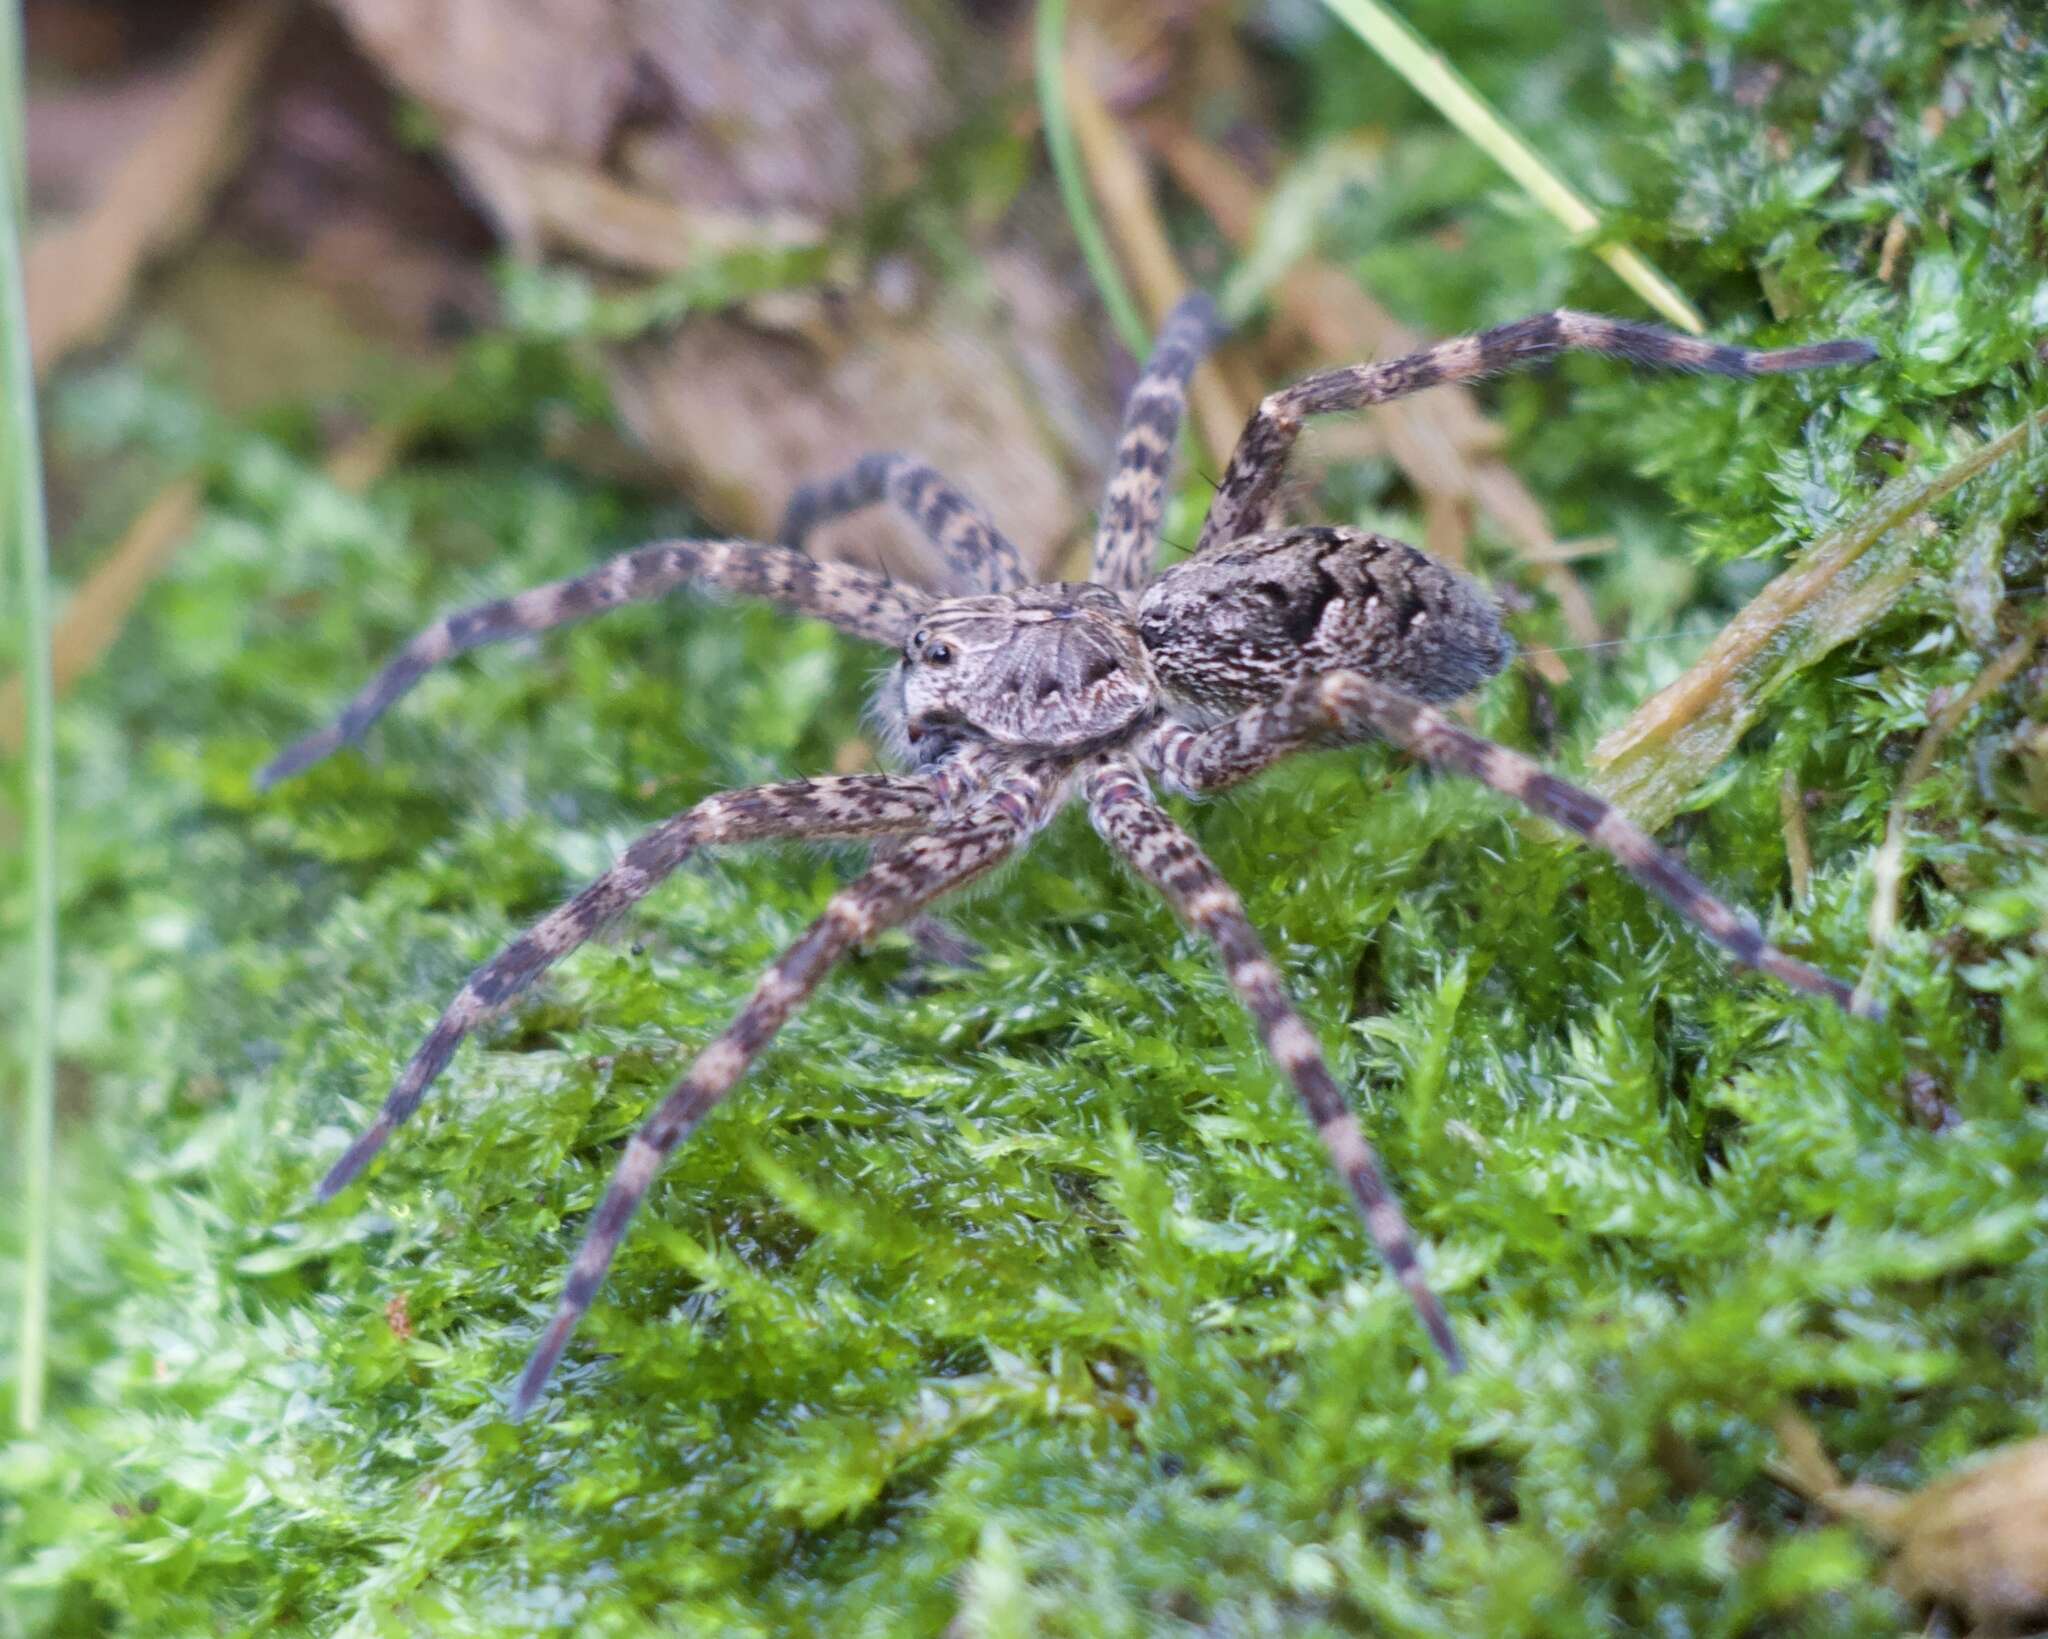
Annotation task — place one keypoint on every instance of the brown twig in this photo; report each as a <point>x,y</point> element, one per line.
<point>1888,252</point>
<point>1798,850</point>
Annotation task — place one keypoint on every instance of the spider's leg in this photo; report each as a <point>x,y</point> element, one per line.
<point>1127,539</point>
<point>936,942</point>
<point>893,890</point>
<point>1346,706</point>
<point>849,807</point>
<point>1245,496</point>
<point>981,557</point>
<point>853,599</point>
<point>1144,834</point>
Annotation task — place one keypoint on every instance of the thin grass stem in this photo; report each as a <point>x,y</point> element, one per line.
<point>21,462</point>
<point>1433,78</point>
<point>1050,43</point>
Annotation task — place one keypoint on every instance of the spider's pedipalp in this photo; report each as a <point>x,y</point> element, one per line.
<point>855,600</point>
<point>844,809</point>
<point>1145,835</point>
<point>1250,482</point>
<point>1127,538</point>
<point>981,557</point>
<point>893,890</point>
<point>1346,706</point>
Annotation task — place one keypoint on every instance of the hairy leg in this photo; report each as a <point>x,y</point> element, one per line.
<point>850,807</point>
<point>1127,539</point>
<point>1167,857</point>
<point>893,890</point>
<point>851,599</point>
<point>981,557</point>
<point>1343,707</point>
<point>936,942</point>
<point>1245,496</point>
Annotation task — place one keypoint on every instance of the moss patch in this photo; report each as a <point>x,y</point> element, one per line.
<point>1023,1294</point>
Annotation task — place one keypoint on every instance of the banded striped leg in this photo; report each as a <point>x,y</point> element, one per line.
<point>1245,497</point>
<point>850,807</point>
<point>1342,707</point>
<point>1127,539</point>
<point>1168,858</point>
<point>893,890</point>
<point>852,599</point>
<point>981,557</point>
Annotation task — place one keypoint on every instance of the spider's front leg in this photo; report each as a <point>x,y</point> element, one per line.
<point>1342,707</point>
<point>852,599</point>
<point>1245,496</point>
<point>894,889</point>
<point>1162,853</point>
<point>848,808</point>
<point>981,557</point>
<point>1127,538</point>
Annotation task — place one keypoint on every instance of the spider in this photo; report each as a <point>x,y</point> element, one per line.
<point>1009,699</point>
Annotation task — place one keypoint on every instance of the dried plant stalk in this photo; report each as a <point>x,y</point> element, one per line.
<point>1841,584</point>
<point>1118,173</point>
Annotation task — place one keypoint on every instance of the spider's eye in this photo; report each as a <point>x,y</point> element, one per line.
<point>939,654</point>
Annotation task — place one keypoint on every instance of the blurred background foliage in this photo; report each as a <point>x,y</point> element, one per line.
<point>1018,1300</point>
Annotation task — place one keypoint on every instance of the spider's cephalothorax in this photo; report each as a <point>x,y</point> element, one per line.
<point>1056,667</point>
<point>1011,698</point>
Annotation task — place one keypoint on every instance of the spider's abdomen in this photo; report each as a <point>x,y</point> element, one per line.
<point>1235,625</point>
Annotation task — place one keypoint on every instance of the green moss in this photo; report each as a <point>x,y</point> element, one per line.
<point>1023,1293</point>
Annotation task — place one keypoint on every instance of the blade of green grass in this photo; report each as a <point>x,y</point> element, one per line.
<point>1050,42</point>
<point>24,513</point>
<point>1433,78</point>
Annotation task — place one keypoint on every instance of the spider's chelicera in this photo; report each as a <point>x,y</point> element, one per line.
<point>1009,700</point>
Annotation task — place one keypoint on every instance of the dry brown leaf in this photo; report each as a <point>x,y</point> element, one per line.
<point>1977,1538</point>
<point>784,410</point>
<point>1840,584</point>
<point>79,273</point>
<point>631,136</point>
<point>543,204</point>
<point>1222,402</point>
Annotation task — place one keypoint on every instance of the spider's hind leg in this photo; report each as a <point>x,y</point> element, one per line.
<point>1145,835</point>
<point>1343,707</point>
<point>846,808</point>
<point>896,888</point>
<point>978,554</point>
<point>1245,496</point>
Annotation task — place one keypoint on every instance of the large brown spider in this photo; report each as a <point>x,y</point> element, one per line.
<point>1009,699</point>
